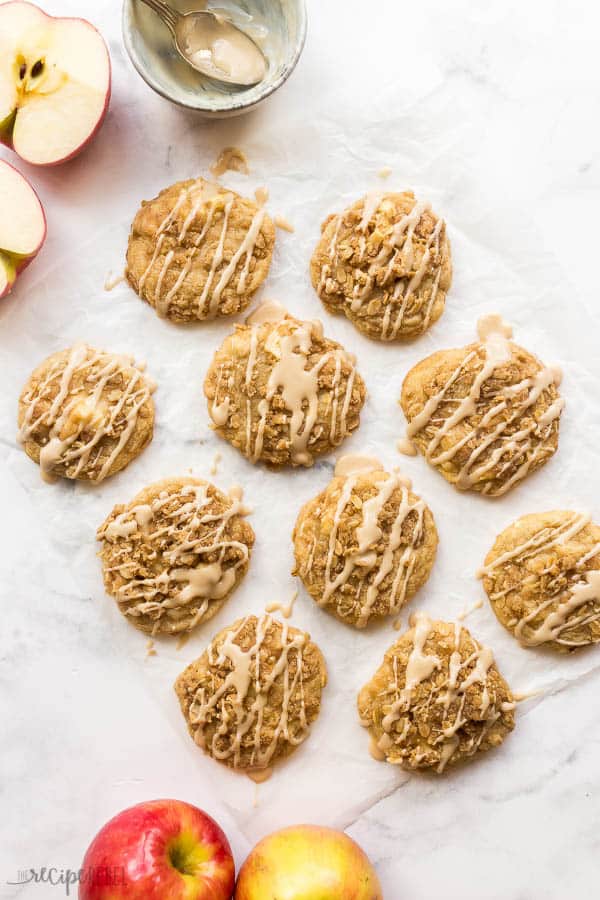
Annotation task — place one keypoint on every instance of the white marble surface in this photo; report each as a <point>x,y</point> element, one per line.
<point>493,111</point>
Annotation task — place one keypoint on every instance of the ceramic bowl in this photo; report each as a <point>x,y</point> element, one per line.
<point>152,52</point>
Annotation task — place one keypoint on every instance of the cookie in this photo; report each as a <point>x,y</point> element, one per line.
<point>281,392</point>
<point>198,251</point>
<point>385,263</point>
<point>437,699</point>
<point>85,414</point>
<point>174,554</point>
<point>251,697</point>
<point>486,415</point>
<point>366,544</point>
<point>542,577</point>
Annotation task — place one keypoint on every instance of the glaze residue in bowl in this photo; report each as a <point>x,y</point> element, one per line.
<point>278,26</point>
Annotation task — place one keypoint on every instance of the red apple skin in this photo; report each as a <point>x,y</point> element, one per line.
<point>130,857</point>
<point>308,862</point>
<point>22,263</point>
<point>5,138</point>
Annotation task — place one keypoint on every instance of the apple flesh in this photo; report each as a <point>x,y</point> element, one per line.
<point>158,850</point>
<point>22,225</point>
<point>308,862</point>
<point>54,83</point>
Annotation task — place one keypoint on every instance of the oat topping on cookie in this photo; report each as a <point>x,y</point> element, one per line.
<point>438,698</point>
<point>283,393</point>
<point>198,251</point>
<point>251,697</point>
<point>365,544</point>
<point>85,414</point>
<point>543,579</point>
<point>173,555</point>
<point>385,263</point>
<point>485,415</point>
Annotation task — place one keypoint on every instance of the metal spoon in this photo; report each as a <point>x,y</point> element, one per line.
<point>213,45</point>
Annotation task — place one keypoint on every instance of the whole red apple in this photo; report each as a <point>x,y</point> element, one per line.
<point>307,862</point>
<point>159,850</point>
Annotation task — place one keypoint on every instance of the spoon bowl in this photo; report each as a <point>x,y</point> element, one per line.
<point>205,40</point>
<point>210,42</point>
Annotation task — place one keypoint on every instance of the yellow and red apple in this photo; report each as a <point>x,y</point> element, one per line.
<point>22,225</point>
<point>158,850</point>
<point>308,862</point>
<point>54,83</point>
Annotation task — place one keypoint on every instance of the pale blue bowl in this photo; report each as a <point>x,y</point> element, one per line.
<point>152,52</point>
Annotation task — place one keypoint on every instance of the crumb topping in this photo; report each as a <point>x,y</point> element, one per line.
<point>198,251</point>
<point>282,392</point>
<point>252,696</point>
<point>365,545</point>
<point>173,555</point>
<point>485,415</point>
<point>385,262</point>
<point>437,698</point>
<point>84,413</point>
<point>543,579</point>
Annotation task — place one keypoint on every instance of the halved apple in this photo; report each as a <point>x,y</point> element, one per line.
<point>22,225</point>
<point>54,83</point>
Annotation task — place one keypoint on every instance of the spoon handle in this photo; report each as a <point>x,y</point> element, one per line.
<point>165,12</point>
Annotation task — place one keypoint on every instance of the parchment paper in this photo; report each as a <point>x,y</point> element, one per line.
<point>311,169</point>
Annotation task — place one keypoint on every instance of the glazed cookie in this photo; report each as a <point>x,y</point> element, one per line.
<point>542,577</point>
<point>85,414</point>
<point>281,392</point>
<point>485,415</point>
<point>366,544</point>
<point>173,555</point>
<point>385,263</point>
<point>198,251</point>
<point>251,697</point>
<point>437,698</point>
